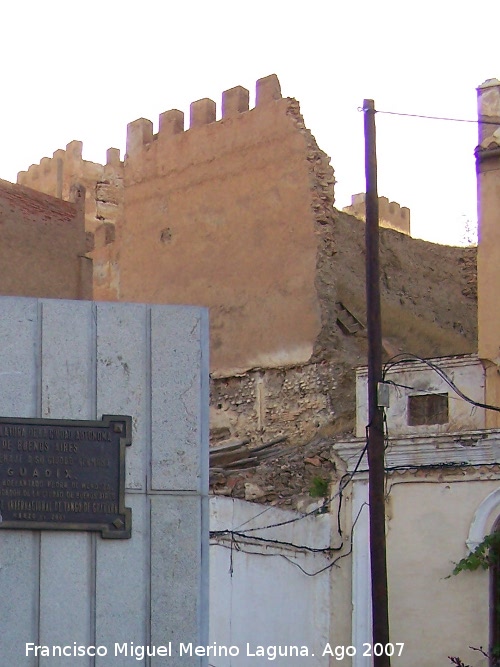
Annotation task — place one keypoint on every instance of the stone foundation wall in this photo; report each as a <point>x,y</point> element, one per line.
<point>260,405</point>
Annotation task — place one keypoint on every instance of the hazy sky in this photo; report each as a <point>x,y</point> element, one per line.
<point>84,70</point>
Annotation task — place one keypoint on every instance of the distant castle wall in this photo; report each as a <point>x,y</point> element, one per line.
<point>56,176</point>
<point>391,214</point>
<point>103,183</point>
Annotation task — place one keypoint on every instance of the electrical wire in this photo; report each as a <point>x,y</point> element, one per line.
<point>406,356</point>
<point>391,363</point>
<point>416,115</point>
<point>344,481</point>
<point>270,541</point>
<point>297,565</point>
<point>236,545</point>
<point>436,466</point>
<point>317,510</point>
<point>254,517</point>
<point>405,386</point>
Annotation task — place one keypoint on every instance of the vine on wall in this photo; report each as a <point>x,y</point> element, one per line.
<point>485,556</point>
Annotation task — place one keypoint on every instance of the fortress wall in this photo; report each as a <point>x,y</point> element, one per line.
<point>109,213</point>
<point>238,215</point>
<point>391,214</point>
<point>191,214</point>
<point>202,209</point>
<point>103,183</point>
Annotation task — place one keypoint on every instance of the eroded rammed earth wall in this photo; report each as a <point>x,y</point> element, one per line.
<point>191,216</point>
<point>224,208</point>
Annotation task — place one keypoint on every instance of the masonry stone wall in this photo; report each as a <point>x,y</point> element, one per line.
<point>292,402</point>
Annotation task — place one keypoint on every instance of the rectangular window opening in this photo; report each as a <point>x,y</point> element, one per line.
<point>427,409</point>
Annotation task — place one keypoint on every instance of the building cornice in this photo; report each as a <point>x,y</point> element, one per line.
<point>462,448</point>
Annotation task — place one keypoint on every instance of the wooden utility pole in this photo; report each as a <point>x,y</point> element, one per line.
<point>376,474</point>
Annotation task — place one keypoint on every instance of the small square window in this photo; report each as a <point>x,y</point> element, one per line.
<point>427,409</point>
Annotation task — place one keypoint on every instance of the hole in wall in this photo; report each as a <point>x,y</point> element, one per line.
<point>166,235</point>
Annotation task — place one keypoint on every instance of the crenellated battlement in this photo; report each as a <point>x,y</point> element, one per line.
<point>202,113</point>
<point>203,204</point>
<point>192,208</point>
<point>234,101</point>
<point>57,175</point>
<point>391,214</point>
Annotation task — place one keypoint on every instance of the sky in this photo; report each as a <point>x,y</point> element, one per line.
<point>84,70</point>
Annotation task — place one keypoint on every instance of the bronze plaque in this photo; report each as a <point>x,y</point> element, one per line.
<point>65,475</point>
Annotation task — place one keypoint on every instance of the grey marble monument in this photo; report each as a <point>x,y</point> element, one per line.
<point>115,598</point>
